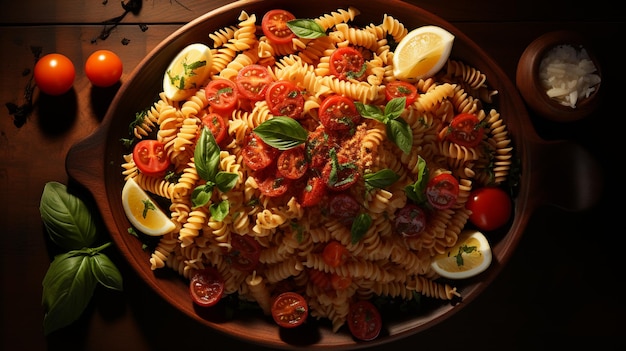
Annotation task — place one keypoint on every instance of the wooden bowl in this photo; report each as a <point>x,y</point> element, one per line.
<point>95,163</point>
<point>531,88</point>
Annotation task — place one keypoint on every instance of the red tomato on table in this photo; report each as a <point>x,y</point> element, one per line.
<point>151,158</point>
<point>206,287</point>
<point>465,130</point>
<point>364,320</point>
<point>284,98</point>
<point>339,113</point>
<point>222,95</point>
<point>442,191</point>
<point>274,26</point>
<point>398,89</point>
<point>103,68</point>
<point>252,81</point>
<point>289,309</point>
<point>347,63</point>
<point>54,74</point>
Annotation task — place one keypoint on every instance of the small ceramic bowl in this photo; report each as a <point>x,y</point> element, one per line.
<point>531,88</point>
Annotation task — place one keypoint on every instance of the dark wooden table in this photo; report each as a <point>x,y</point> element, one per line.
<point>562,284</point>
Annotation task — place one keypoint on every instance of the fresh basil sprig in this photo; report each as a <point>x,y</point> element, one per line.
<point>306,28</point>
<point>416,191</point>
<point>380,179</point>
<point>207,160</point>
<point>360,226</point>
<point>72,276</point>
<point>397,129</point>
<point>282,132</point>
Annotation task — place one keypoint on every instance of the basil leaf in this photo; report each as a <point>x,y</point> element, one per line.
<point>360,226</point>
<point>219,211</point>
<point>67,289</point>
<point>394,107</point>
<point>105,271</point>
<point>66,217</point>
<point>370,111</point>
<point>207,155</point>
<point>381,179</point>
<point>201,195</point>
<point>306,28</point>
<point>282,132</point>
<point>416,191</point>
<point>225,181</point>
<point>401,134</point>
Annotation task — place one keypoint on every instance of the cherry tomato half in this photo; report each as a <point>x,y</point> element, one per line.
<point>313,192</point>
<point>364,320</point>
<point>292,163</point>
<point>284,98</point>
<point>289,309</point>
<point>410,220</point>
<point>252,82</point>
<point>465,130</point>
<point>338,113</point>
<point>256,153</point>
<point>398,89</point>
<point>347,63</point>
<point>206,287</point>
<point>271,183</point>
<point>335,254</point>
<point>103,68</point>
<point>217,125</point>
<point>274,26</point>
<point>442,191</point>
<point>54,74</point>
<point>244,253</point>
<point>340,175</point>
<point>151,158</point>
<point>222,95</point>
<point>491,208</point>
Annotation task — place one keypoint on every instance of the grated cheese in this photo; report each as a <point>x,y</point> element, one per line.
<point>568,74</point>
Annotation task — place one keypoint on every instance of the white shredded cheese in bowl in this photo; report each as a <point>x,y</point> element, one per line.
<point>568,74</point>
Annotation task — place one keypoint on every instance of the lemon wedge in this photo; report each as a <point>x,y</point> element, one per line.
<point>142,212</point>
<point>422,52</point>
<point>470,256</point>
<point>187,72</point>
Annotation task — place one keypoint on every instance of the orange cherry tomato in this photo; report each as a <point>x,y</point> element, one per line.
<point>103,68</point>
<point>151,158</point>
<point>54,74</point>
<point>289,309</point>
<point>206,287</point>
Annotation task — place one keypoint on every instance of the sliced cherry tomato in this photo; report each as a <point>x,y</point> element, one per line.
<point>289,309</point>
<point>410,220</point>
<point>317,147</point>
<point>244,253</point>
<point>54,74</point>
<point>103,68</point>
<point>329,281</point>
<point>217,125</point>
<point>292,163</point>
<point>347,63</point>
<point>338,282</point>
<point>284,98</point>
<point>151,158</point>
<point>274,26</point>
<point>222,95</point>
<point>252,81</point>
<point>398,89</point>
<point>335,254</point>
<point>206,287</point>
<point>271,183</point>
<point>256,153</point>
<point>344,207</point>
<point>338,113</point>
<point>313,192</point>
<point>442,191</point>
<point>465,129</point>
<point>364,320</point>
<point>491,208</point>
<point>339,174</point>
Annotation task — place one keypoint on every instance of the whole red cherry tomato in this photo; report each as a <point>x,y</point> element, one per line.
<point>54,74</point>
<point>491,208</point>
<point>103,68</point>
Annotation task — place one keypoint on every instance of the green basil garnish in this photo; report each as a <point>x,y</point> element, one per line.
<point>360,226</point>
<point>306,28</point>
<point>282,132</point>
<point>381,179</point>
<point>416,191</point>
<point>398,130</point>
